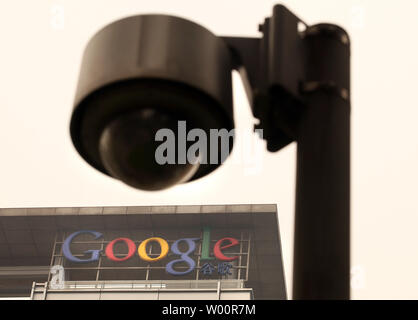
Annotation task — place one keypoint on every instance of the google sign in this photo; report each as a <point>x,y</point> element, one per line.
<point>183,257</point>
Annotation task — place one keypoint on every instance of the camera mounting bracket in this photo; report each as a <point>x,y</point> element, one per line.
<point>277,71</point>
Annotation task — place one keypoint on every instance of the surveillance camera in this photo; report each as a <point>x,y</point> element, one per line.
<point>146,73</point>
<point>142,74</point>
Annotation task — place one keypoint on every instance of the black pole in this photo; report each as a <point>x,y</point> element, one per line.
<point>322,221</point>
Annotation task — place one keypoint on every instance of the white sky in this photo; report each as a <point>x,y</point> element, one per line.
<point>39,65</point>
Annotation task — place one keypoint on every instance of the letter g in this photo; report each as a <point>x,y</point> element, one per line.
<point>184,257</point>
<point>67,251</point>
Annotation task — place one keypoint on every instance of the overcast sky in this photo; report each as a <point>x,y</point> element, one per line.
<point>41,47</point>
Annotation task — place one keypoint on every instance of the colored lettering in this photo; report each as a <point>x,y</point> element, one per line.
<point>206,245</point>
<point>129,243</point>
<point>217,250</point>
<point>67,251</point>
<point>184,257</point>
<point>180,263</point>
<point>142,249</point>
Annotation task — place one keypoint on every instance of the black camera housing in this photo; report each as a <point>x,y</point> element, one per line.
<point>156,62</point>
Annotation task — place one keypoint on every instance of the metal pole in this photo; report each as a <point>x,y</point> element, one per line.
<point>322,221</point>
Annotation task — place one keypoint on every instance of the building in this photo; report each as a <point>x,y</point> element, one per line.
<point>159,252</point>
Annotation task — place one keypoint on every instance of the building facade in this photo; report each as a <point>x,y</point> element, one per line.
<point>215,252</point>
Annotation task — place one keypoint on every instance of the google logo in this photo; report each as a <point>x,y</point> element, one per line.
<point>183,257</point>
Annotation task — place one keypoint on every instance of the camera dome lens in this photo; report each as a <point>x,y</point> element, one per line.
<point>128,147</point>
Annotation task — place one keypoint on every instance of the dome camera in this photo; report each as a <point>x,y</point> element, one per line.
<point>146,73</point>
